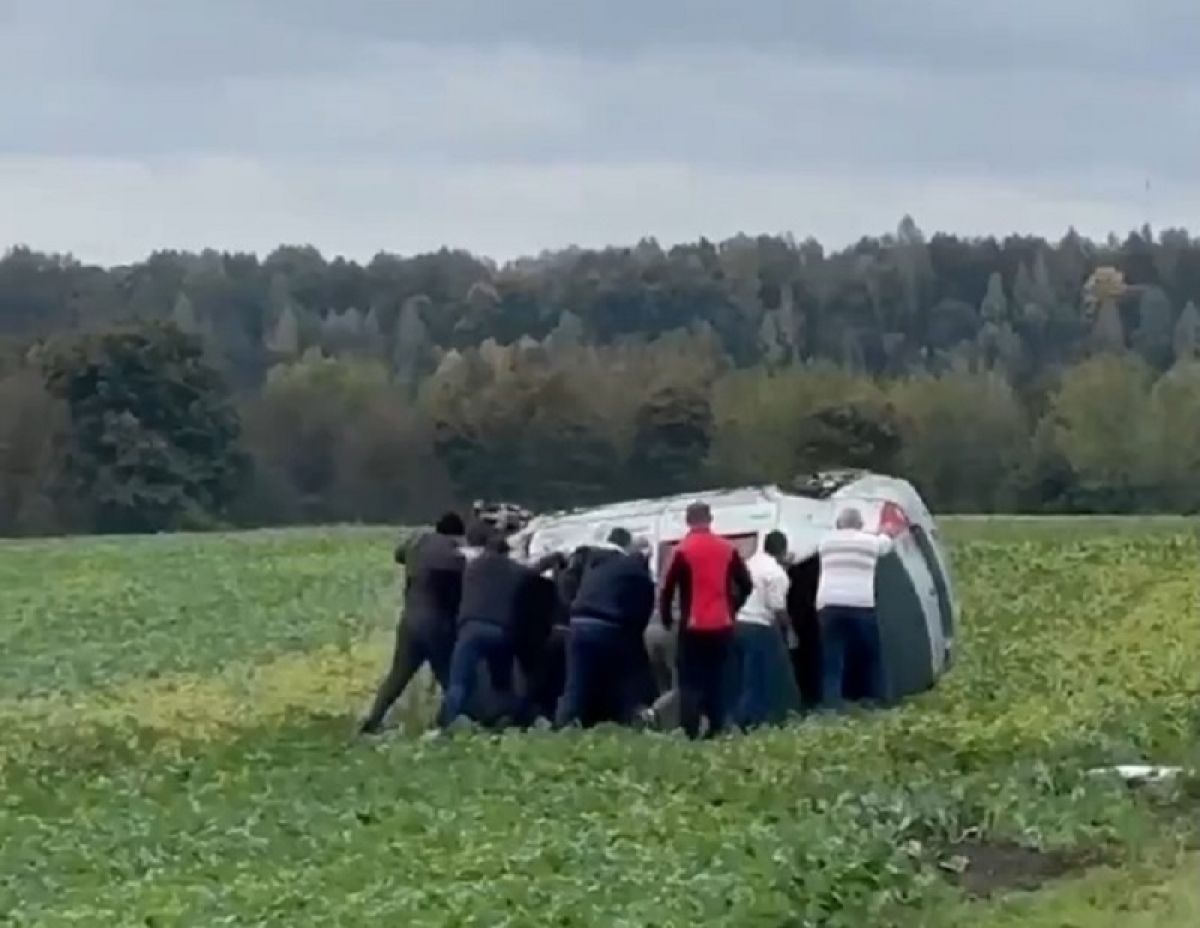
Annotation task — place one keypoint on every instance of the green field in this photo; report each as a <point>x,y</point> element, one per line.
<point>176,748</point>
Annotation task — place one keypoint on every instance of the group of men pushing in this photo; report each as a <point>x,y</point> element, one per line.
<point>584,641</point>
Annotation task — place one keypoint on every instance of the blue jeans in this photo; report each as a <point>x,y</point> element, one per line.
<point>850,633</point>
<point>763,668</point>
<point>599,684</point>
<point>477,641</point>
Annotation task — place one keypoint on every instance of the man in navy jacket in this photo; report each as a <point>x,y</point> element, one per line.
<point>609,615</point>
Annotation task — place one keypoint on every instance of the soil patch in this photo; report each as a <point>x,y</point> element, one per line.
<point>1181,813</point>
<point>984,868</point>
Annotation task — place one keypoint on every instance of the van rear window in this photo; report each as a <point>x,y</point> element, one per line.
<point>746,544</point>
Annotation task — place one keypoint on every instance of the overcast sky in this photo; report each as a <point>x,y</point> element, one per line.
<point>509,126</point>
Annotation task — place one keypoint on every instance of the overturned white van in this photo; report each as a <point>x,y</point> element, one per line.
<point>916,604</point>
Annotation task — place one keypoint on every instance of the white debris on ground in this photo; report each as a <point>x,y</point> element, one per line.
<point>1140,773</point>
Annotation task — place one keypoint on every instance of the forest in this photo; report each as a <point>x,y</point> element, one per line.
<point>200,390</point>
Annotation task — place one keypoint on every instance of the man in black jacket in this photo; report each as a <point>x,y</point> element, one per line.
<point>540,647</point>
<point>608,617</point>
<point>425,633</point>
<point>491,617</point>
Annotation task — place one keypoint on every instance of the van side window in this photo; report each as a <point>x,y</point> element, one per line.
<point>747,545</point>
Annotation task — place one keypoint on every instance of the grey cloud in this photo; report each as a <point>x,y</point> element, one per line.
<point>1123,36</point>
<point>424,104</point>
<point>1078,100</point>
<point>135,38</point>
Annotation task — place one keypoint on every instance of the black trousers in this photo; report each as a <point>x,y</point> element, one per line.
<point>807,663</point>
<point>543,665</point>
<point>417,644</point>
<point>703,663</point>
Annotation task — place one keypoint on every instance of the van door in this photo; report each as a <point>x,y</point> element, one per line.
<point>903,626</point>
<point>941,588</point>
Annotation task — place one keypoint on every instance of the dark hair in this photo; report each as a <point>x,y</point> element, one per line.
<point>775,544</point>
<point>620,537</point>
<point>698,513</point>
<point>450,523</point>
<point>479,533</point>
<point>497,543</point>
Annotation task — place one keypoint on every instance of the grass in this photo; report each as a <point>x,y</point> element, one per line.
<point>1018,529</point>
<point>84,614</point>
<point>176,748</point>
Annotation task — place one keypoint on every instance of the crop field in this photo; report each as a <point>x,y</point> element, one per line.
<point>177,748</point>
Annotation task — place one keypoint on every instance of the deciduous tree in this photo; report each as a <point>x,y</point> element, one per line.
<point>153,439</point>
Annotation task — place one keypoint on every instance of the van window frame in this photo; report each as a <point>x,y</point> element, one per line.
<point>941,584</point>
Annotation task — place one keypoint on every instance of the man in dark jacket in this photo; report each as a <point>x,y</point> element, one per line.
<point>495,592</point>
<point>541,648</point>
<point>805,641</point>
<point>710,580</point>
<point>608,618</point>
<point>549,647</point>
<point>425,633</point>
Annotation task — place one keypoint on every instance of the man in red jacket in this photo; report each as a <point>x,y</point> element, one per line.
<point>710,580</point>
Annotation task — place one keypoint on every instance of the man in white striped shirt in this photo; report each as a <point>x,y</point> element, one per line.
<point>846,607</point>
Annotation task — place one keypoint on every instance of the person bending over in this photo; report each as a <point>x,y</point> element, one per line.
<point>608,618</point>
<point>494,591</point>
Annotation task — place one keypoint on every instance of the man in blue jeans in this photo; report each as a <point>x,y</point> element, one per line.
<point>490,615</point>
<point>846,608</point>
<point>609,614</point>
<point>766,685</point>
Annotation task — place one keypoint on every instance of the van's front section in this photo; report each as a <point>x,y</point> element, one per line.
<point>915,597</point>
<point>907,511</point>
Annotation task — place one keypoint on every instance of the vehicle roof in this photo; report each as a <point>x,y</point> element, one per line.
<point>739,496</point>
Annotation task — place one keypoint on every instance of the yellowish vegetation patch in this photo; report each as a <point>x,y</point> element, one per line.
<point>326,681</point>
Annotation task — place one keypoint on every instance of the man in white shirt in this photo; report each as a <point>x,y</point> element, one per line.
<point>767,687</point>
<point>846,607</point>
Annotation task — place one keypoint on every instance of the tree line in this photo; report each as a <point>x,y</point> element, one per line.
<point>195,390</point>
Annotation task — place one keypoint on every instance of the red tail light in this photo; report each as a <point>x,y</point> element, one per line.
<point>892,520</point>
